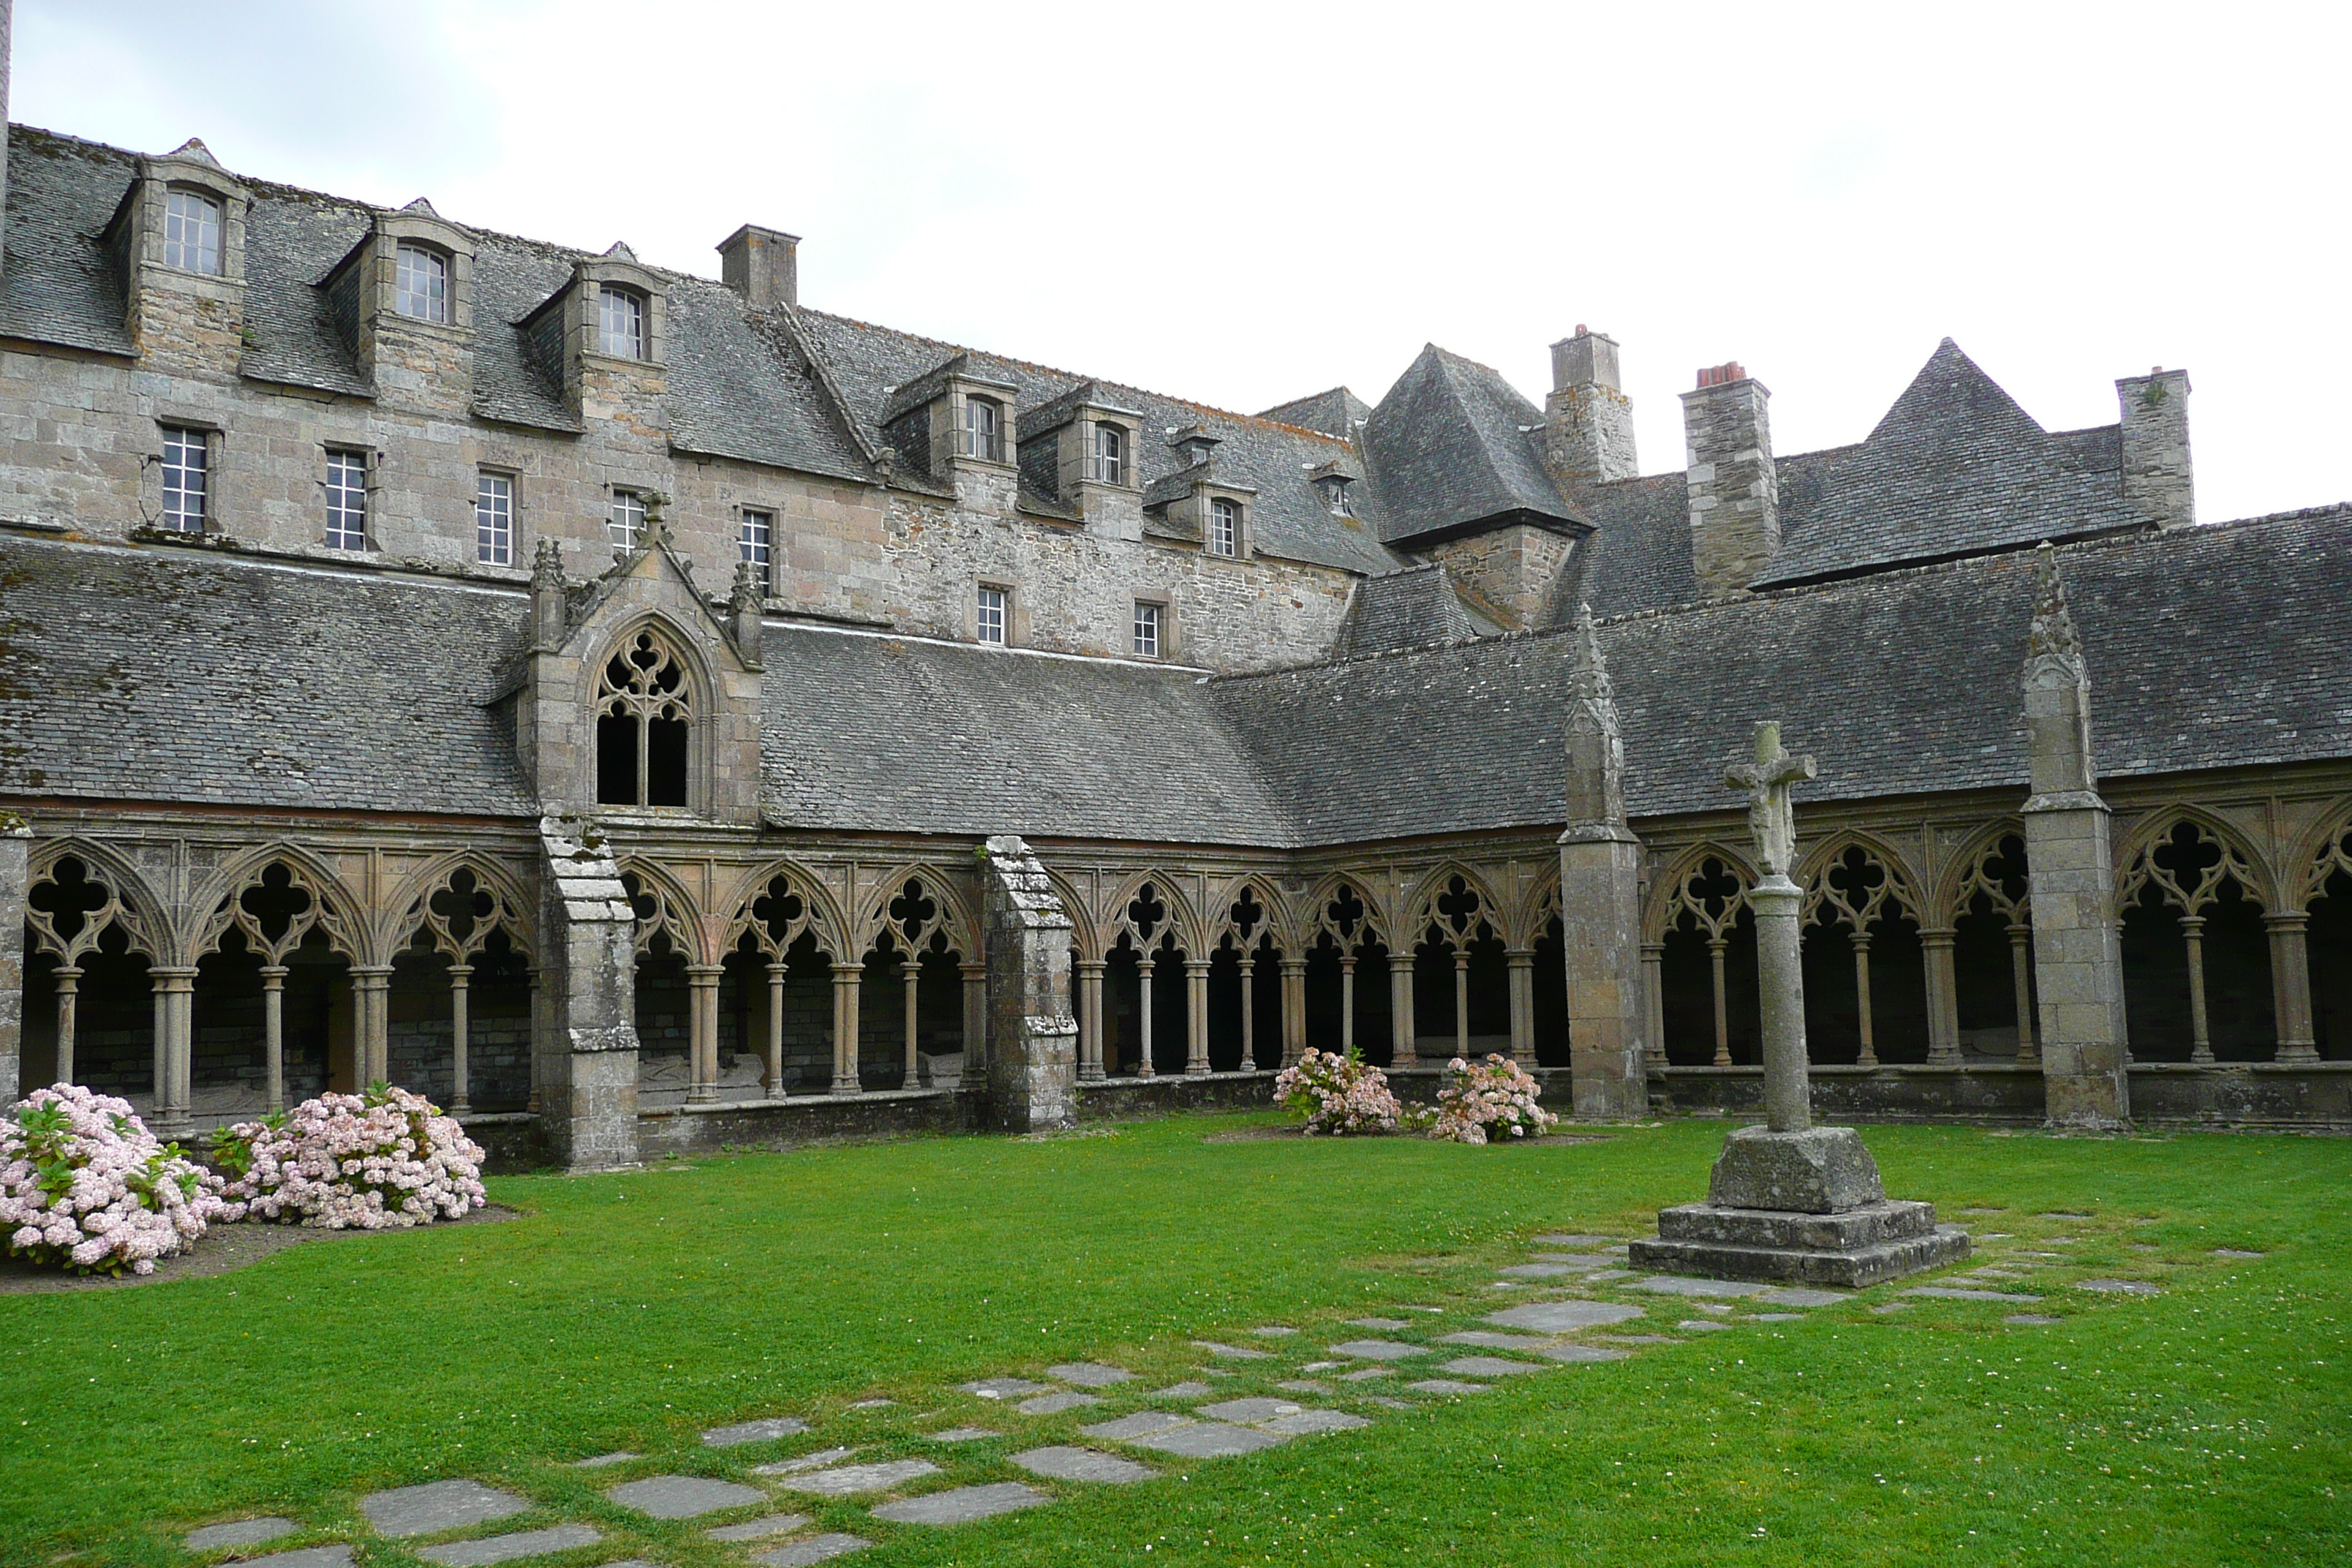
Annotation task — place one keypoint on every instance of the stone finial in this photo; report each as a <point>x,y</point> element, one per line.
<point>2053,636</point>
<point>656,523</point>
<point>620,251</point>
<point>549,611</point>
<point>421,208</point>
<point>1596,747</point>
<point>547,566</point>
<point>747,590</point>
<point>195,152</point>
<point>2057,681</point>
<point>1766,781</point>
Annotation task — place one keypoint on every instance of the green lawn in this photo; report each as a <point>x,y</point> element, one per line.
<point>2207,1425</point>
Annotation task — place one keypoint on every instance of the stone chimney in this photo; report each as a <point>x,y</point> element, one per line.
<point>1734,489</point>
<point>762,265</point>
<point>7,27</point>
<point>1587,419</point>
<point>2158,482</point>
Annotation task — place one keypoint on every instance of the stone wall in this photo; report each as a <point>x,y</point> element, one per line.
<point>1511,574</point>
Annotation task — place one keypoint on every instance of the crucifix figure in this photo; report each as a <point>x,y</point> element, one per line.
<point>1778,903</point>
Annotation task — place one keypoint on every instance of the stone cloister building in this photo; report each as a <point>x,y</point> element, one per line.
<point>644,712</point>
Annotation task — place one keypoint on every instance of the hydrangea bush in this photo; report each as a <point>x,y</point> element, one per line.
<point>1338,1094</point>
<point>385,1159</point>
<point>1495,1099</point>
<point>85,1185</point>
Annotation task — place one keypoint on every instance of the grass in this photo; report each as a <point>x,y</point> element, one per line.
<point>2206,1425</point>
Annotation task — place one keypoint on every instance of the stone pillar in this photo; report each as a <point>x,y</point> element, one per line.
<point>69,981</point>
<point>583,1002</point>
<point>1032,1059</point>
<point>2200,1039</point>
<point>459,1102</point>
<point>15,871</point>
<point>2020,975</point>
<point>1196,1017</point>
<point>1347,1002</point>
<point>911,980</point>
<point>1090,1020</point>
<point>1588,419</point>
<point>2291,985</point>
<point>1869,1055</point>
<point>273,1035</point>
<point>1780,987</point>
<point>2158,482</point>
<point>702,1033</point>
<point>1612,977</point>
<point>776,972</point>
<point>975,1017</point>
<point>1294,1009</point>
<point>1461,1002</point>
<point>1249,1014</point>
<point>1943,998</point>
<point>1732,486</point>
<point>1143,968</point>
<point>1402,1051</point>
<point>371,1022</point>
<point>846,978</point>
<point>1715,946</point>
<point>2070,878</point>
<point>160,1072</point>
<point>1519,965</point>
<point>1654,1010</point>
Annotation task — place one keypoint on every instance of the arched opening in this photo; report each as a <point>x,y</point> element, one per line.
<point>2329,946</point>
<point>1992,957</point>
<point>645,710</point>
<point>2196,958</point>
<point>87,986</point>
<point>1461,979</point>
<point>1864,970</point>
<point>1707,971</point>
<point>1549,1018</point>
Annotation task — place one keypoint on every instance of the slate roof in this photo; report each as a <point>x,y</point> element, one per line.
<point>59,286</point>
<point>1453,444</point>
<point>1403,610</point>
<point>1334,413</point>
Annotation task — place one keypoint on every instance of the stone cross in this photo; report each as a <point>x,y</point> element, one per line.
<point>1778,903</point>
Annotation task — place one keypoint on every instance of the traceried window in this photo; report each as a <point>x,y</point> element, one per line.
<point>1110,453</point>
<point>187,478</point>
<point>494,519</point>
<point>983,430</point>
<point>644,709</point>
<point>1147,630</point>
<point>621,323</point>
<point>346,500</point>
<point>1224,526</point>
<point>756,536</point>
<point>993,604</point>
<point>420,279</point>
<point>192,232</point>
<point>626,522</point>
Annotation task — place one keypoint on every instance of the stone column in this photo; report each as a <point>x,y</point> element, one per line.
<point>2291,982</point>
<point>1032,1054</point>
<point>1715,946</point>
<point>273,1035</point>
<point>1249,1014</point>
<point>975,1017</point>
<point>69,981</point>
<point>2021,974</point>
<point>1461,1002</point>
<point>1612,1002</point>
<point>701,1033</point>
<point>1778,907</point>
<point>911,981</point>
<point>371,1021</point>
<point>583,1002</point>
<point>16,882</point>
<point>1196,1017</point>
<point>1294,1009</point>
<point>1654,1010</point>
<point>777,969</point>
<point>1143,968</point>
<point>2200,1042</point>
<point>1520,966</point>
<point>459,1102</point>
<point>1347,1002</point>
<point>159,1073</point>
<point>846,978</point>
<point>1943,997</point>
<point>1869,1055</point>
<point>1403,1050</point>
<point>2070,878</point>
<point>175,1015</point>
<point>1090,1020</point>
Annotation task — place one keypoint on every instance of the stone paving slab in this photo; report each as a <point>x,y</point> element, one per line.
<point>754,1431</point>
<point>1321,1365</point>
<point>1635,1338</point>
<point>1707,1325</point>
<point>507,1548</point>
<point>871,1404</point>
<point>1886,1306</point>
<point>1777,1318</point>
<point>1563,1317</point>
<point>1233,1352</point>
<point>1055,1404</point>
<point>1556,1240</point>
<point>2063,1213</point>
<point>437,1506</point>
<point>1957,1293</point>
<point>1448,1385</point>
<point>1303,1385</point>
<point>1311,1421</point>
<point>619,1457</point>
<point>847,1480</point>
<point>1142,1424</point>
<point>1064,1463</point>
<point>961,1434</point>
<point>1090,1373</point>
<point>757,1528</point>
<point>807,1553</point>
<point>1208,1440</point>
<point>1608,1276</point>
<point>2119,1287</point>
<point>1250,1409</point>
<point>1486,1339</point>
<point>1384,1401</point>
<point>1378,1350</point>
<point>337,1555</point>
<point>2235,1252</point>
<point>1799,1296</point>
<point>1366,1374</point>
<point>2030,1320</point>
<point>793,1467</point>
<point>1577,1260</point>
<point>682,1497</point>
<point>1679,1285</point>
<point>1581,1354</point>
<point>1536,1270</point>
<point>962,1504</point>
<point>238,1532</point>
<point>1004,1388</point>
<point>1188,1389</point>
<point>1273,1331</point>
<point>1391,1324</point>
<point>1486,1366</point>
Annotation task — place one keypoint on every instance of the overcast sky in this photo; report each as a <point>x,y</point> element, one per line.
<point>1242,204</point>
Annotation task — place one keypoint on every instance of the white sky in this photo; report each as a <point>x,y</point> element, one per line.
<point>1244,204</point>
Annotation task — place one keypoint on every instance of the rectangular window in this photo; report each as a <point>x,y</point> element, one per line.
<point>627,522</point>
<point>983,430</point>
<point>992,615</point>
<point>1147,631</point>
<point>758,531</point>
<point>187,470</point>
<point>346,500</point>
<point>192,232</point>
<point>1224,528</point>
<point>421,277</point>
<point>620,321</point>
<point>1110,455</point>
<point>494,519</point>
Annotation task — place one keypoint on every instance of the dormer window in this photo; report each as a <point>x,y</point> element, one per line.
<point>621,323</point>
<point>1224,526</point>
<point>983,430</point>
<point>421,284</point>
<point>1333,490</point>
<point>192,232</point>
<point>626,523</point>
<point>1110,453</point>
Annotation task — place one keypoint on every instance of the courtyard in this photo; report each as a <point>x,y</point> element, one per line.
<point>1076,1346</point>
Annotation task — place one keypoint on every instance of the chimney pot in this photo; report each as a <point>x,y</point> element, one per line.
<point>762,265</point>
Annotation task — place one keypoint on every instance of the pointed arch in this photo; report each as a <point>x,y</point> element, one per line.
<point>2321,853</point>
<point>1266,914</point>
<point>2137,866</point>
<point>653,696</point>
<point>1322,913</point>
<point>1086,929</point>
<point>1426,905</point>
<point>665,908</point>
<point>774,929</point>
<point>129,905</point>
<point>1829,902</point>
<point>1666,893</point>
<point>1964,873</point>
<point>951,918</point>
<point>342,916</point>
<point>514,912</point>
<point>1535,908</point>
<point>1176,918</point>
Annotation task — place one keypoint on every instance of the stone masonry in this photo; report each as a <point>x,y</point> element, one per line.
<point>587,1037</point>
<point>1600,900</point>
<point>1032,1038</point>
<point>1734,486</point>
<point>15,841</point>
